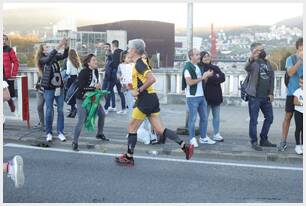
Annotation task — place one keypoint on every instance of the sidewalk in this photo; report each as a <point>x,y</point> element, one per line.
<point>234,129</point>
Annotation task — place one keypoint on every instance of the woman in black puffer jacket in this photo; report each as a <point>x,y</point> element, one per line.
<point>52,83</point>
<point>213,92</point>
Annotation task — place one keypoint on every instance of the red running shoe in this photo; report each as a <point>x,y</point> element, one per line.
<point>188,150</point>
<point>124,161</point>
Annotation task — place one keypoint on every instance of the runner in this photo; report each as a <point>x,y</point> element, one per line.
<point>146,105</point>
<point>14,170</point>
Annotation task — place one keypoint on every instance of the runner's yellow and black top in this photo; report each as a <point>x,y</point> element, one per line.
<point>139,74</point>
<point>147,102</point>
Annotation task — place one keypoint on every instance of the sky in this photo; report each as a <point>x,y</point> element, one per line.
<point>221,14</point>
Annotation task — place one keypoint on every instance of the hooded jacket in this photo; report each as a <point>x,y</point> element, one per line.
<point>9,58</point>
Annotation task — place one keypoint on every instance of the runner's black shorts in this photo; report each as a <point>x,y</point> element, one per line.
<point>147,104</point>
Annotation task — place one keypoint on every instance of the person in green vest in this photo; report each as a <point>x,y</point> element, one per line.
<point>193,82</point>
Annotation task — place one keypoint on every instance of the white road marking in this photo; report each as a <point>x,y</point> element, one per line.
<point>159,158</point>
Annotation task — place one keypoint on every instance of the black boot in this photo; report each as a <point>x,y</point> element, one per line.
<point>266,143</point>
<point>256,147</point>
<point>73,113</point>
<point>75,146</point>
<point>102,137</point>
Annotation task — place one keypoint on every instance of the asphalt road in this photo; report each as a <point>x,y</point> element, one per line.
<point>70,177</point>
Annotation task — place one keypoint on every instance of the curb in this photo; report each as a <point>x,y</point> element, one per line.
<point>105,147</point>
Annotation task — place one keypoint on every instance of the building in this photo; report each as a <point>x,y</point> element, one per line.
<point>159,36</point>
<point>181,46</point>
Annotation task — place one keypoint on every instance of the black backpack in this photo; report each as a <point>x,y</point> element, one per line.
<point>243,86</point>
<point>287,77</point>
<point>51,77</point>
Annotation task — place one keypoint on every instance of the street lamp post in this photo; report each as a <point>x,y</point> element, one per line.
<point>184,130</point>
<point>189,39</point>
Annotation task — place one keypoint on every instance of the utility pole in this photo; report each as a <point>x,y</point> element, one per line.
<point>189,39</point>
<point>189,26</point>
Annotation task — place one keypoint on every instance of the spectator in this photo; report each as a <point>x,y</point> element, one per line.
<point>294,66</point>
<point>107,77</point>
<point>73,69</point>
<point>40,101</point>
<point>89,81</point>
<point>260,89</point>
<point>213,92</point>
<point>298,117</point>
<point>53,85</point>
<point>11,67</point>
<point>192,82</point>
<point>124,74</point>
<point>7,92</point>
<point>113,79</point>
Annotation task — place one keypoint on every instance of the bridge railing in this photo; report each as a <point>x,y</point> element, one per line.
<point>169,83</point>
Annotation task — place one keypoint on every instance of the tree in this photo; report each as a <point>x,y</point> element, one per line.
<point>25,47</point>
<point>278,57</point>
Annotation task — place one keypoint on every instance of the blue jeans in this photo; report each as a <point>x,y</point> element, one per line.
<point>216,117</point>
<point>105,86</point>
<point>130,101</point>
<point>49,99</point>
<point>256,103</point>
<point>197,105</point>
<point>110,88</point>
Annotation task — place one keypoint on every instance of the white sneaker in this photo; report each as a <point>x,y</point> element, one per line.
<point>62,137</point>
<point>121,112</point>
<point>194,142</point>
<point>206,140</point>
<point>298,149</point>
<point>218,138</point>
<point>112,109</point>
<point>15,171</point>
<point>106,111</point>
<point>49,137</point>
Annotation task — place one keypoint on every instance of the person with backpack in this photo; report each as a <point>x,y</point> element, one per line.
<point>73,69</point>
<point>294,67</point>
<point>213,92</point>
<point>260,90</point>
<point>52,84</point>
<point>11,67</point>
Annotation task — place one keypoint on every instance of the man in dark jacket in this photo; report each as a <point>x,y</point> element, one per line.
<point>11,66</point>
<point>107,74</point>
<point>113,79</point>
<point>260,89</point>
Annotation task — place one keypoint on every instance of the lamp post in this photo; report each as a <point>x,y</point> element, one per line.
<point>184,129</point>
